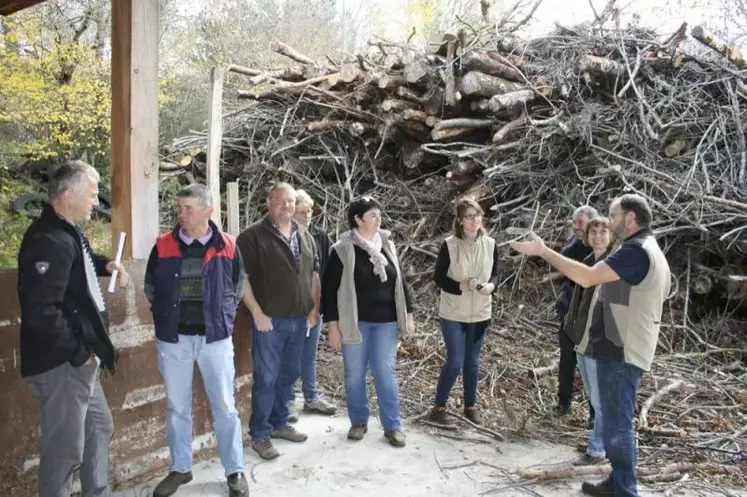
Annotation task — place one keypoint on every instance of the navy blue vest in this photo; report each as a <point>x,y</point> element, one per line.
<point>217,268</point>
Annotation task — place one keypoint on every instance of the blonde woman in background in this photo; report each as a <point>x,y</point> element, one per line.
<point>313,403</point>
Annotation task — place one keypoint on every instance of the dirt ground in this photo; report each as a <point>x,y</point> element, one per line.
<point>327,464</point>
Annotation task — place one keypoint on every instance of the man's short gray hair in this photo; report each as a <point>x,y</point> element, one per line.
<point>199,191</point>
<point>586,210</point>
<point>280,185</point>
<point>69,176</point>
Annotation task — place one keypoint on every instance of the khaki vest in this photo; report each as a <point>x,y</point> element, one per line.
<point>347,301</point>
<point>467,260</point>
<point>631,314</point>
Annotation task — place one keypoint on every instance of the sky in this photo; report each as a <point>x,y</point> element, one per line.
<point>664,16</point>
<point>656,14</point>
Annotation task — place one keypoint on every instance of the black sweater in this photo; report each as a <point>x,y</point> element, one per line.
<point>323,244</point>
<point>577,250</point>
<point>375,299</point>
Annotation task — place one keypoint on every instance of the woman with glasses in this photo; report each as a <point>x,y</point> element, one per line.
<point>367,308</point>
<point>599,237</point>
<point>467,274</point>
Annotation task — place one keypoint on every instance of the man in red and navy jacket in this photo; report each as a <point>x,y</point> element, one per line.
<point>194,280</point>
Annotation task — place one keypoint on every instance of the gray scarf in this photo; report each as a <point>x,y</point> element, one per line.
<point>373,249</point>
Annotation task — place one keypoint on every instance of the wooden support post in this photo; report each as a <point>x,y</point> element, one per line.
<point>215,136</point>
<point>232,208</point>
<point>134,132</point>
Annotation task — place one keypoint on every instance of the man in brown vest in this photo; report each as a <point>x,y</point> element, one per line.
<point>632,284</point>
<point>282,264</point>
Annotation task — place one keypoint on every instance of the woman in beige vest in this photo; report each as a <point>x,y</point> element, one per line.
<point>367,308</point>
<point>467,274</point>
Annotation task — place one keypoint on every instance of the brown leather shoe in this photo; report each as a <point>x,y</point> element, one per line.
<point>439,416</point>
<point>289,433</point>
<point>473,415</point>
<point>265,449</point>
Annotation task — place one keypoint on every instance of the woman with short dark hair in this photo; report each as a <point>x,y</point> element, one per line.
<point>467,274</point>
<point>367,307</point>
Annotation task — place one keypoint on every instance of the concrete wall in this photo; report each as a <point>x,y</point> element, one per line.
<point>135,392</point>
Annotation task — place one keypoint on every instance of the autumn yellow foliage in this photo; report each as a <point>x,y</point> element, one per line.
<point>54,93</point>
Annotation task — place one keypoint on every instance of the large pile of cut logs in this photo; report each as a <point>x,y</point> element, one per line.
<point>531,129</point>
<point>527,127</point>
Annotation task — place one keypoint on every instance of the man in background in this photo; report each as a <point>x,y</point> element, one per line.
<point>577,249</point>
<point>313,402</point>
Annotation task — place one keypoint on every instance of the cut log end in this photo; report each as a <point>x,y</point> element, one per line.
<point>446,133</point>
<point>675,148</point>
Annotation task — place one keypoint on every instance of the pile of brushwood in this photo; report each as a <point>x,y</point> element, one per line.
<point>531,129</point>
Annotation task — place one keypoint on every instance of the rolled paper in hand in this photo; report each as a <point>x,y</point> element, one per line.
<point>117,260</point>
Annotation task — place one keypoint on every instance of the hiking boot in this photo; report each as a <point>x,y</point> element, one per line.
<point>292,412</point>
<point>287,432</point>
<point>171,483</point>
<point>604,488</point>
<point>439,415</point>
<point>473,414</point>
<point>589,460</point>
<point>396,438</point>
<point>320,406</point>
<point>560,411</point>
<point>237,485</point>
<point>356,432</point>
<point>265,449</point>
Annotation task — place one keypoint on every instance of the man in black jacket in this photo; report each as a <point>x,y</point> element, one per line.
<point>576,249</point>
<point>64,335</point>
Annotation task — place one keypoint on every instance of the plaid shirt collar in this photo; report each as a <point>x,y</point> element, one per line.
<point>292,242</point>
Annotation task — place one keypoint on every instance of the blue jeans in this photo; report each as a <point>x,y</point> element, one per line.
<point>215,361</point>
<point>618,385</point>
<point>378,348</point>
<point>462,355</point>
<point>277,364</point>
<point>308,366</point>
<point>588,367</point>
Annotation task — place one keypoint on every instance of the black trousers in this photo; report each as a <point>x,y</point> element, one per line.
<point>567,370</point>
